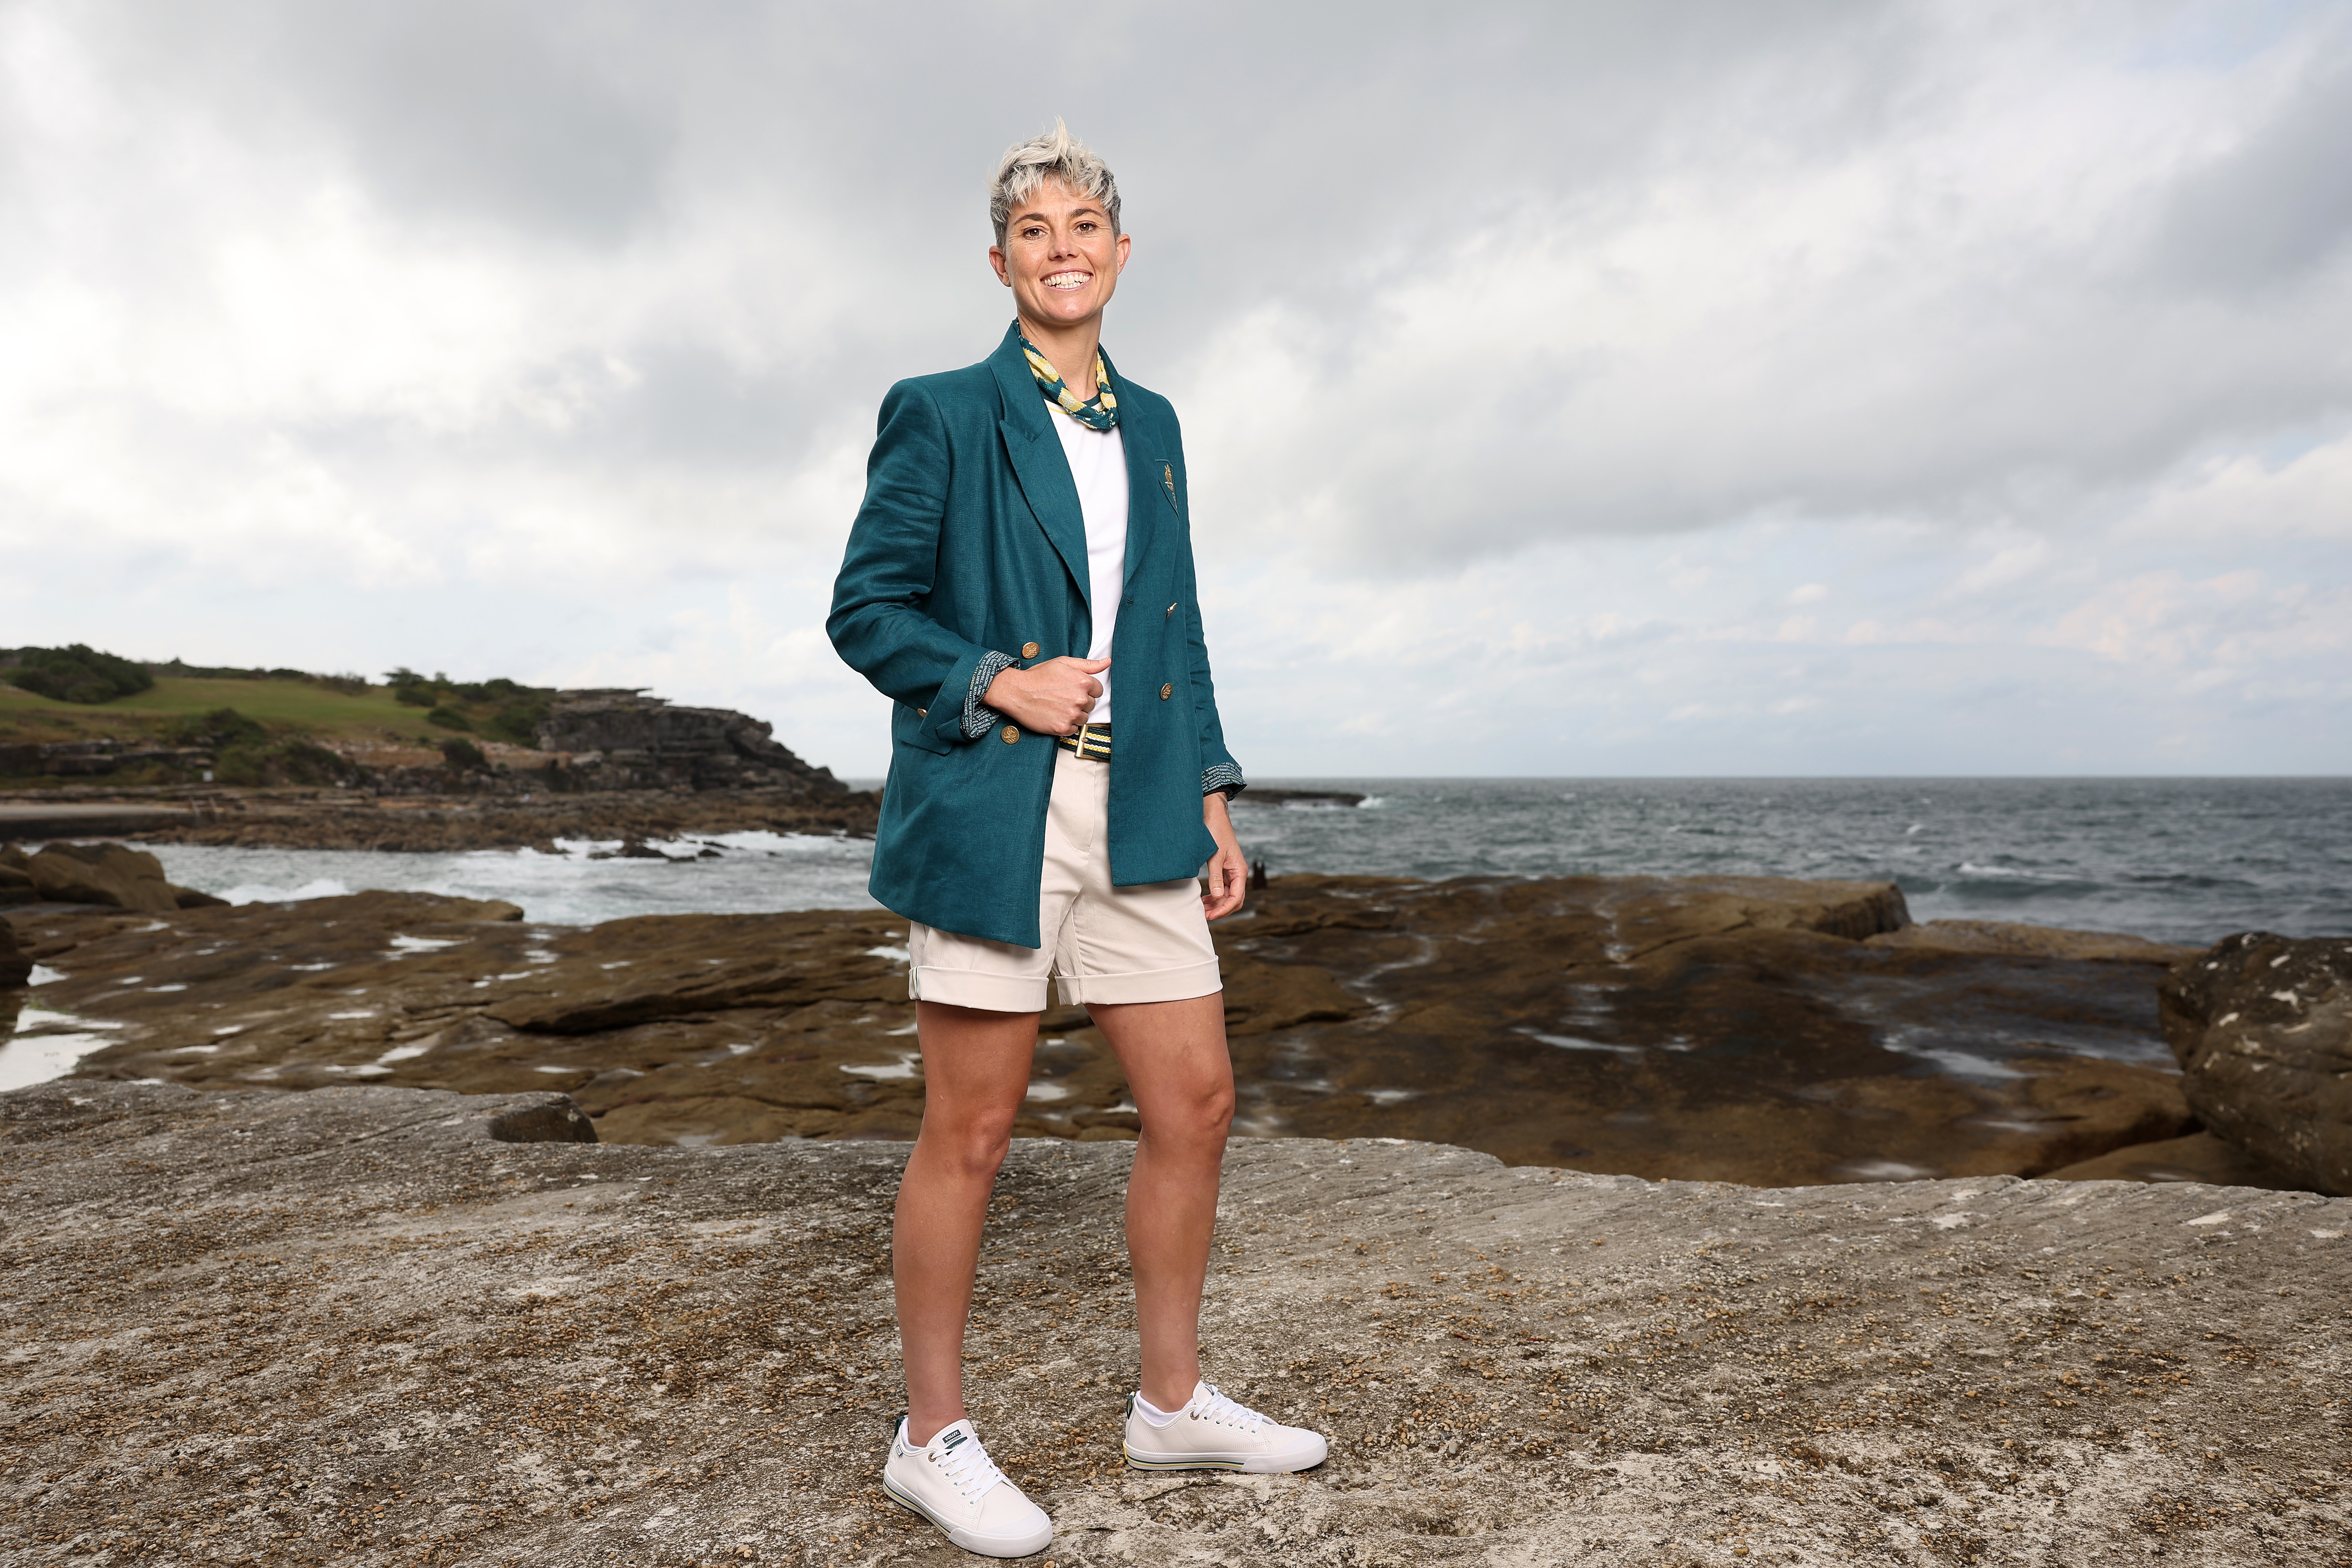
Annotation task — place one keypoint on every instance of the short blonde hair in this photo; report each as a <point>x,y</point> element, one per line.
<point>1055,155</point>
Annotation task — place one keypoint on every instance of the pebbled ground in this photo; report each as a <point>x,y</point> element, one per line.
<point>351,1326</point>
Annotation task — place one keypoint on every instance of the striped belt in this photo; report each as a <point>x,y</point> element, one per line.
<point>1092,742</point>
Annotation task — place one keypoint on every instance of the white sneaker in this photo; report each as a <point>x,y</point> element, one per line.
<point>952,1483</point>
<point>1212,1432</point>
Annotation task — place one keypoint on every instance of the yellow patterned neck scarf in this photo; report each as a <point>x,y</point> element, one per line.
<point>1100,412</point>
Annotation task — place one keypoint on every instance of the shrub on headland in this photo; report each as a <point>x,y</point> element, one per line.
<point>350,686</point>
<point>76,674</point>
<point>220,729</point>
<point>520,712</point>
<point>462,756</point>
<point>408,686</point>
<point>290,761</point>
<point>245,753</point>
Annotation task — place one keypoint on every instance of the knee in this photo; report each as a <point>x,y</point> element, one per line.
<point>973,1147</point>
<point>1217,1111</point>
<point>1197,1121</point>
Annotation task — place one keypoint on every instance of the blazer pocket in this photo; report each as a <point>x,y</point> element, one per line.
<point>1166,472</point>
<point>909,727</point>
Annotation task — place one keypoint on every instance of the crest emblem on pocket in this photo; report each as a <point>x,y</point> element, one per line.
<point>1168,477</point>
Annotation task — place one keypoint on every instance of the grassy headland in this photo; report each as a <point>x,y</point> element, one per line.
<point>285,758</point>
<point>315,710</point>
<point>267,711</point>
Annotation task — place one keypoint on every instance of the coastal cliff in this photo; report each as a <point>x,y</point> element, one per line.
<point>365,1326</point>
<point>284,760</point>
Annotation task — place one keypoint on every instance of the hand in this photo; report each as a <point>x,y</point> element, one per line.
<point>1227,872</point>
<point>1051,698</point>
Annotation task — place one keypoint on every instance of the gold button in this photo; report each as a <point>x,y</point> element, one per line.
<point>1011,734</point>
<point>1028,649</point>
<point>1167,691</point>
<point>922,713</point>
<point>1169,610</point>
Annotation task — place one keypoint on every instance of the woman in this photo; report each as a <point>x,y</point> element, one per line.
<point>1023,553</point>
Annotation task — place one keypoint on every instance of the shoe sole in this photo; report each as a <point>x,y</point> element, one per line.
<point>1026,1547</point>
<point>1247,1464</point>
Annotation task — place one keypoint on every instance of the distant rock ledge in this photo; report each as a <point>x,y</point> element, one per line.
<point>609,764</point>
<point>363,1326</point>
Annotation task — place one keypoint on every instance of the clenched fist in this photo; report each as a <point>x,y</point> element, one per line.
<point>1051,698</point>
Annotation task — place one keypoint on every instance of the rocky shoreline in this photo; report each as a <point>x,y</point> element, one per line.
<point>307,819</point>
<point>366,1326</point>
<point>1741,1030</point>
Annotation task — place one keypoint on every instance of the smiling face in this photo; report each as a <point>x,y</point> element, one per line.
<point>1059,257</point>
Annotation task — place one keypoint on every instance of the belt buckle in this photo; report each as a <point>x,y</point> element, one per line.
<point>1092,743</point>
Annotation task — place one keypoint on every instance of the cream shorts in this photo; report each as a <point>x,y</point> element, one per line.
<point>1105,944</point>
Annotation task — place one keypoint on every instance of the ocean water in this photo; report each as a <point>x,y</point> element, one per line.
<point>717,874</point>
<point>2176,860</point>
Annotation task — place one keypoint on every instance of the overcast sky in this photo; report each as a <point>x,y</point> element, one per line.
<point>1733,388</point>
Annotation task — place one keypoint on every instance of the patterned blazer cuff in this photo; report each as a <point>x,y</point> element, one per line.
<point>979,718</point>
<point>1222,778</point>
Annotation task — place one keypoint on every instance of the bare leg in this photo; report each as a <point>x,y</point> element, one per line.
<point>975,1075</point>
<point>1182,1079</point>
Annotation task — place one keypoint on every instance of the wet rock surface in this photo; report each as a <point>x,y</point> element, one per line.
<point>354,1327</point>
<point>2262,1028</point>
<point>2198,1158</point>
<point>1731,1028</point>
<point>2017,939</point>
<point>1727,1029</point>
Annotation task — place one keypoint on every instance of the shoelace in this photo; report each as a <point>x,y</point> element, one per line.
<point>968,1468</point>
<point>1217,1408</point>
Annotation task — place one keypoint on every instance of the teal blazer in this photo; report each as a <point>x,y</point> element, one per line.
<point>970,543</point>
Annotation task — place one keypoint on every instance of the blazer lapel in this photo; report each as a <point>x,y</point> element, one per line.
<point>1037,461</point>
<point>1147,475</point>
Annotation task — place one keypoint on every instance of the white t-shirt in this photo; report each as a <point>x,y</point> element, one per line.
<point>1098,464</point>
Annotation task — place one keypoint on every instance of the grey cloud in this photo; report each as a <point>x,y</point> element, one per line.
<point>690,404</point>
<point>530,118</point>
<point>1273,155</point>
<point>2280,205</point>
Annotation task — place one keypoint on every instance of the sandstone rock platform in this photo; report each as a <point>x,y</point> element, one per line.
<point>1766,1031</point>
<point>354,1326</point>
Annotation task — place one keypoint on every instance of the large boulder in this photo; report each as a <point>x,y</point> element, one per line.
<point>102,873</point>
<point>2262,1028</point>
<point>94,873</point>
